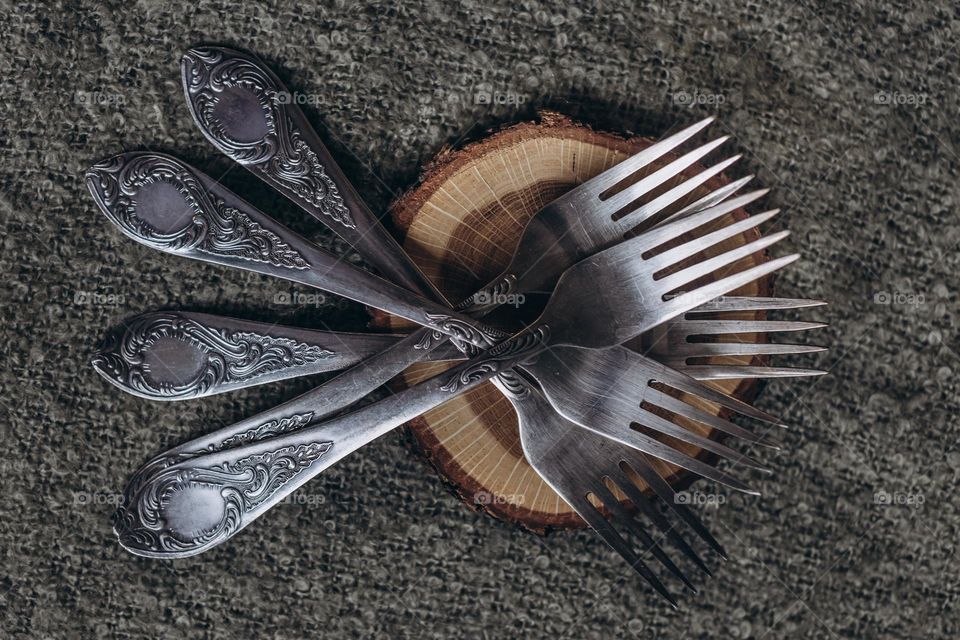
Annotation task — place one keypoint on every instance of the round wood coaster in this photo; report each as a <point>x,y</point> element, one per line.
<point>461,224</point>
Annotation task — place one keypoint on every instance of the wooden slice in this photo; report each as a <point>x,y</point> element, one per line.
<point>461,225</point>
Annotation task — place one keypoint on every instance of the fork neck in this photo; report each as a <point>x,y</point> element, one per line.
<point>520,349</point>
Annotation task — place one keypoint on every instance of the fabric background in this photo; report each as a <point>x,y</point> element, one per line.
<point>849,112</point>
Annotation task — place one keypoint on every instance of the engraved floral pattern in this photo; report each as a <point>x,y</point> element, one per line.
<point>463,334</point>
<point>213,228</point>
<point>281,156</point>
<point>228,356</point>
<point>497,360</point>
<point>267,430</point>
<point>231,489</point>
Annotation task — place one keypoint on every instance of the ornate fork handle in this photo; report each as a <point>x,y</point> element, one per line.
<point>165,204</point>
<point>247,113</point>
<point>198,495</point>
<point>173,355</point>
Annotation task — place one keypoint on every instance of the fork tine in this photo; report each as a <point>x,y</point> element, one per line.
<point>687,384</point>
<point>661,202</point>
<point>732,372</point>
<point>645,504</point>
<point>653,421</point>
<point>674,228</point>
<point>665,452</point>
<point>723,327</point>
<point>645,185</point>
<point>632,223</point>
<point>630,523</point>
<point>641,465</point>
<point>726,206</point>
<point>690,248</point>
<point>712,349</point>
<point>681,408</point>
<point>748,303</point>
<point>609,178</point>
<point>598,523</point>
<point>690,299</point>
<point>716,196</point>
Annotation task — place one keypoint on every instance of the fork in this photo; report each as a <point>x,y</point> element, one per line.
<point>280,425</point>
<point>186,502</point>
<point>175,355</point>
<point>720,195</point>
<point>576,464</point>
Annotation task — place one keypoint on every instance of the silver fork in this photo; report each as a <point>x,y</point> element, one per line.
<point>177,355</point>
<point>281,424</point>
<point>637,395</point>
<point>686,341</point>
<point>188,501</point>
<point>576,464</point>
<point>382,370</point>
<point>174,355</point>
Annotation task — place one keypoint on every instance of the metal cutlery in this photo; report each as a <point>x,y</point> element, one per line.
<point>177,355</point>
<point>190,501</point>
<point>686,342</point>
<point>283,424</point>
<point>200,493</point>
<point>174,355</point>
<point>578,464</point>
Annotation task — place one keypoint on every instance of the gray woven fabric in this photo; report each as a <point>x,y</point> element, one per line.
<point>850,114</point>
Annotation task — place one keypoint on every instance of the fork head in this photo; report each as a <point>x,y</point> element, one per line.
<point>600,211</point>
<point>624,396</point>
<point>591,474</point>
<point>615,295</point>
<point>686,342</point>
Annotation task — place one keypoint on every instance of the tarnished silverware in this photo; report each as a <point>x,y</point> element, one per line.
<point>155,520</point>
<point>222,86</point>
<point>176,355</point>
<point>173,355</point>
<point>578,464</point>
<point>283,424</point>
